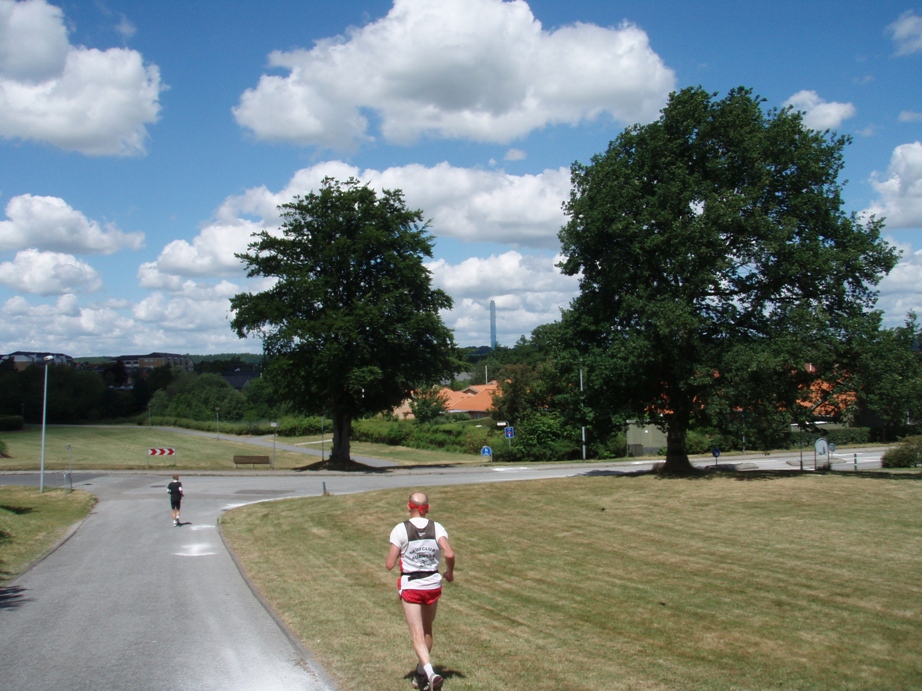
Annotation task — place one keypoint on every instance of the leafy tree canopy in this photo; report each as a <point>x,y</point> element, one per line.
<point>715,262</point>
<point>351,324</point>
<point>891,374</point>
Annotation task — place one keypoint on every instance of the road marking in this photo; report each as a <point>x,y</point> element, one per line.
<point>197,549</point>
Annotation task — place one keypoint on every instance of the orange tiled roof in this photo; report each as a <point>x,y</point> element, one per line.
<point>473,399</point>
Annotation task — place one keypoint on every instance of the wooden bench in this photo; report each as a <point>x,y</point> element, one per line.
<point>252,461</point>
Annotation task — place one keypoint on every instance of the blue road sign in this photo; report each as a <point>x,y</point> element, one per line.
<point>509,432</point>
<point>486,451</point>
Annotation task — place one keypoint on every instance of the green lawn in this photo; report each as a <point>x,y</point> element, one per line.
<point>125,447</point>
<point>31,523</point>
<point>752,581</point>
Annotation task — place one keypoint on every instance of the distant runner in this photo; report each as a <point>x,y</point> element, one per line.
<point>419,544</point>
<point>176,495</point>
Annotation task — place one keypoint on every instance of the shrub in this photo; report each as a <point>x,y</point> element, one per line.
<point>848,435</point>
<point>614,446</point>
<point>298,426</point>
<point>543,437</point>
<point>382,431</point>
<point>698,442</point>
<point>908,454</point>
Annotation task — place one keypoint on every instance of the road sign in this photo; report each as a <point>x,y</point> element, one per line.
<point>509,432</point>
<point>486,451</point>
<point>161,452</point>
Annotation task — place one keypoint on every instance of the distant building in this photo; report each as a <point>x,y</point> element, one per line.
<point>22,359</point>
<point>475,401</point>
<point>644,439</point>
<point>134,363</point>
<point>239,378</point>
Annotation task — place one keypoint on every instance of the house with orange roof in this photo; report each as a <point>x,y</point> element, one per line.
<point>475,401</point>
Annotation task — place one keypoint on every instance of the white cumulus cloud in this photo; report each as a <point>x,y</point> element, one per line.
<point>483,70</point>
<point>907,33</point>
<point>48,273</point>
<point>819,114</point>
<point>528,291</point>
<point>901,289</point>
<point>49,223</point>
<point>899,190</point>
<point>465,204</point>
<point>97,102</point>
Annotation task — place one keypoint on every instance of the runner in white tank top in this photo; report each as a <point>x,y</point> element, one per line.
<point>419,545</point>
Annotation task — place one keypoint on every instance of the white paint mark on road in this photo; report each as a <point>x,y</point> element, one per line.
<point>198,549</point>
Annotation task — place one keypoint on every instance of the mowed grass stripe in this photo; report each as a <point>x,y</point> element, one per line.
<point>792,582</point>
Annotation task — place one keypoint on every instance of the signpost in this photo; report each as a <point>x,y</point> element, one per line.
<point>819,449</point>
<point>487,453</point>
<point>160,451</point>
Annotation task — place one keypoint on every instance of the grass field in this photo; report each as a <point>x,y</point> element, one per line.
<point>32,523</point>
<point>125,447</point>
<point>753,581</point>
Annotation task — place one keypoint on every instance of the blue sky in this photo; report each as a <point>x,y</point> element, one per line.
<point>143,142</point>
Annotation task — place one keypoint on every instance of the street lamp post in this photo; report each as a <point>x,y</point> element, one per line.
<point>275,426</point>
<point>41,482</point>
<point>582,412</point>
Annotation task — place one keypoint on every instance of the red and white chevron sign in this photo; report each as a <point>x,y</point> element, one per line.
<point>161,452</point>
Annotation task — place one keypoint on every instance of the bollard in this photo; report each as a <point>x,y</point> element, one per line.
<point>856,461</point>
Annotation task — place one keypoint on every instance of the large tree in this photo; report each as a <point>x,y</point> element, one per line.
<point>891,375</point>
<point>714,256</point>
<point>351,322</point>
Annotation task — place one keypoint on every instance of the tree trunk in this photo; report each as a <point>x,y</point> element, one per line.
<point>342,425</point>
<point>677,462</point>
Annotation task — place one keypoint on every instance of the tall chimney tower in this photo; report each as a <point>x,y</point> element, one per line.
<point>493,324</point>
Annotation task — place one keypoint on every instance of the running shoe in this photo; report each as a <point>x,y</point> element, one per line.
<point>419,680</point>
<point>435,684</point>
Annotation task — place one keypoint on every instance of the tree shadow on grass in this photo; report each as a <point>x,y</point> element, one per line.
<point>350,467</point>
<point>744,475</point>
<point>18,510</point>
<point>911,475</point>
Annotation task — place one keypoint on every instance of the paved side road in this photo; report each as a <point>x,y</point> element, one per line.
<point>132,602</point>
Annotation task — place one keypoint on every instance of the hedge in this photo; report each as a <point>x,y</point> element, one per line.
<point>11,423</point>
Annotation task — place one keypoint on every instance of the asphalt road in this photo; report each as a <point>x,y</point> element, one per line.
<point>131,602</point>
